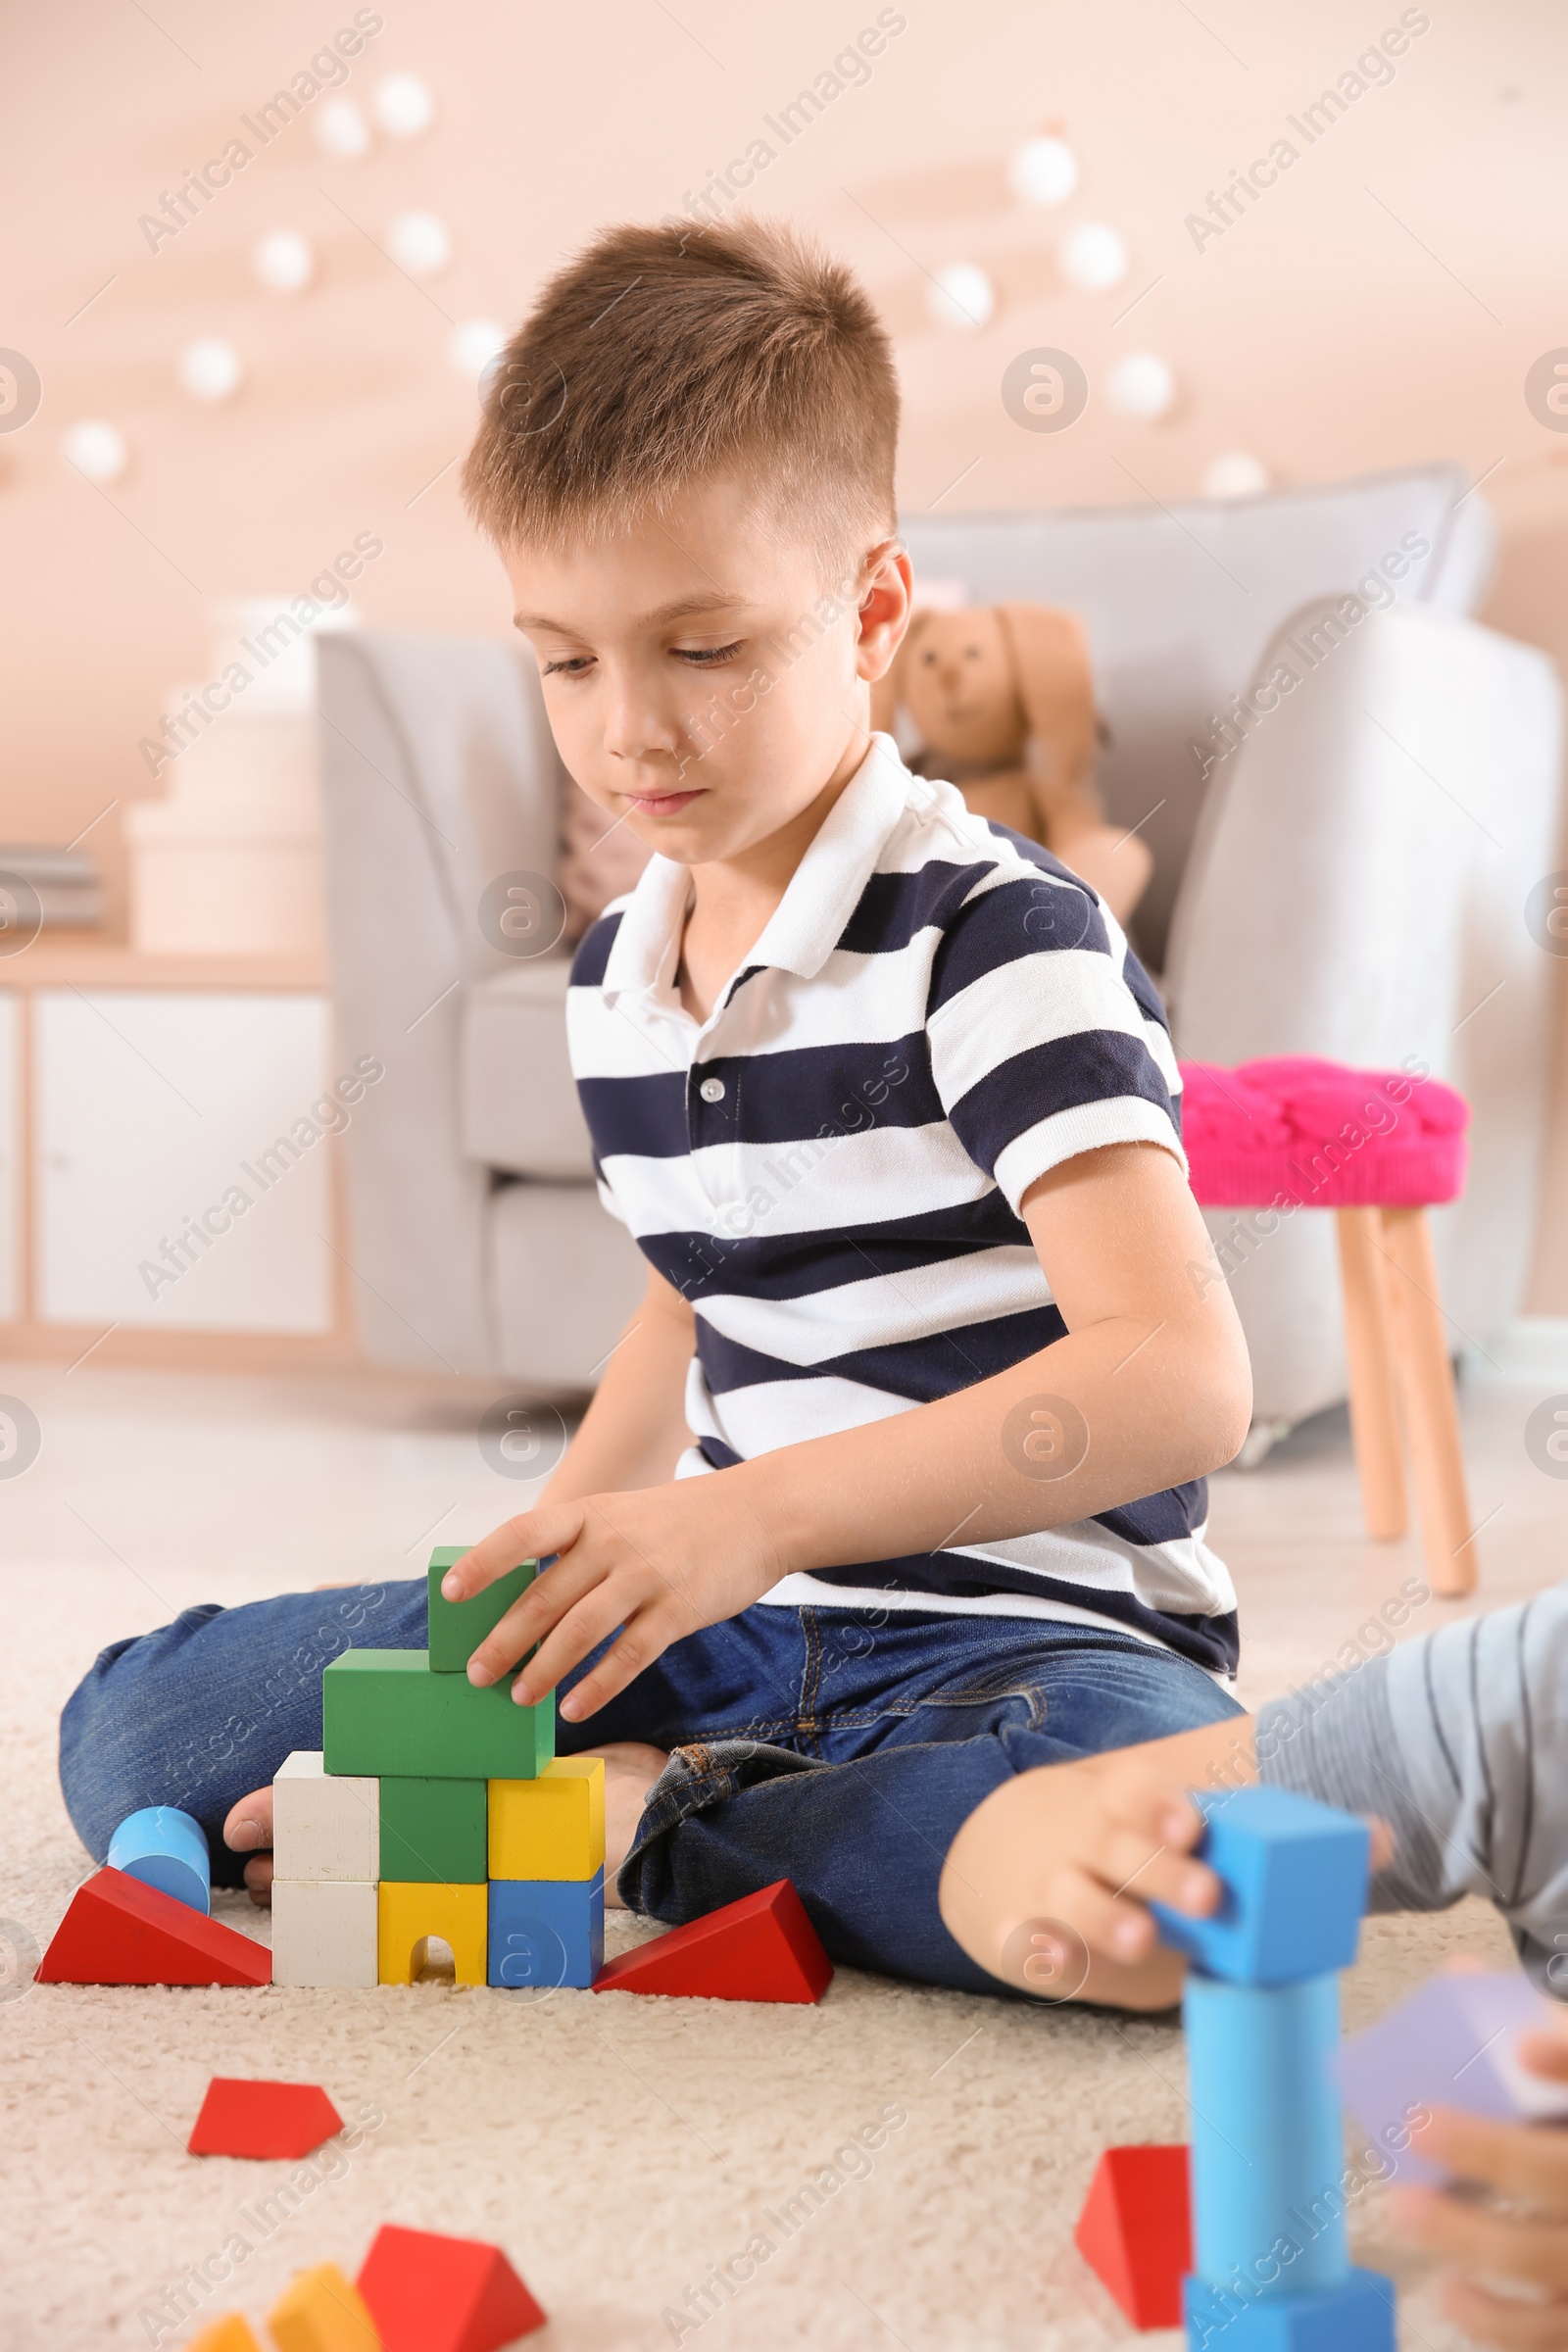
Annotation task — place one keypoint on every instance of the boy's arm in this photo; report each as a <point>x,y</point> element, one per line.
<point>1150,1387</point>
<point>634,1432</point>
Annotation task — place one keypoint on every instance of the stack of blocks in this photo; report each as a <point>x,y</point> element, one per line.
<point>437,1809</point>
<point>1271,2269</point>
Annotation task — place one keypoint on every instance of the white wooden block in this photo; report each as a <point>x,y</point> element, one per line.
<point>324,1825</point>
<point>324,1932</point>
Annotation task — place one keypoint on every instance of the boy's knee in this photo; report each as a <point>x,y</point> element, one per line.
<point>207,1708</point>
<point>114,1749</point>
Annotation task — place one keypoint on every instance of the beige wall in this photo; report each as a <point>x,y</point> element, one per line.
<point>1379,305</point>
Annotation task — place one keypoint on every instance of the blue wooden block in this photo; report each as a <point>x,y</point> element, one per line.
<point>1267,2149</point>
<point>1294,1874</point>
<point>547,1932</point>
<point>165,1848</point>
<point>1356,2315</point>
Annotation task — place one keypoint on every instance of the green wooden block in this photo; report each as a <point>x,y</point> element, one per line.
<point>435,1830</point>
<point>384,1712</point>
<point>457,1626</point>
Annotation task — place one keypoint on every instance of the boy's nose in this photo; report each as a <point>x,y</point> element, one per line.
<point>633,731</point>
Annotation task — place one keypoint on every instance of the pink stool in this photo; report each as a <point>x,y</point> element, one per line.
<point>1379,1148</point>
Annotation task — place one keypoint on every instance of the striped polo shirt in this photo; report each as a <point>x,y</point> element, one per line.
<point>829,1168</point>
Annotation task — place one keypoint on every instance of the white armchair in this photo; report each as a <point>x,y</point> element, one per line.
<point>1356,889</point>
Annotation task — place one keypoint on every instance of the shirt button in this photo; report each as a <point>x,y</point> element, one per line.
<point>711,1090</point>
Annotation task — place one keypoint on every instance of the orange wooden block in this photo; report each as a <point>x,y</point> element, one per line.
<point>321,2311</point>
<point>762,1949</point>
<point>118,1932</point>
<point>429,2293</point>
<point>1136,2232</point>
<point>230,2333</point>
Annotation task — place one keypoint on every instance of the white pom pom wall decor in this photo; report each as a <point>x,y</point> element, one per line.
<point>97,448</point>
<point>962,295</point>
<point>210,369</point>
<point>404,105</point>
<point>283,261</point>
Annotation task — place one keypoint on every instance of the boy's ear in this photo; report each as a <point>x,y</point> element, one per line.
<point>888,690</point>
<point>1049,653</point>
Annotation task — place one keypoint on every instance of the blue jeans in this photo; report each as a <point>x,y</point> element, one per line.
<point>837,1747</point>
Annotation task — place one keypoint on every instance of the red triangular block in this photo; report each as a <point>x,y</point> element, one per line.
<point>762,1949</point>
<point>1136,2231</point>
<point>263,2119</point>
<point>118,1932</point>
<point>428,2293</point>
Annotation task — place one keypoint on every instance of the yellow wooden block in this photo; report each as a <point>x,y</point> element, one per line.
<point>552,1827</point>
<point>323,2311</point>
<point>230,2333</point>
<point>408,1913</point>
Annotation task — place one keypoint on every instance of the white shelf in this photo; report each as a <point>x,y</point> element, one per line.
<point>156,1108</point>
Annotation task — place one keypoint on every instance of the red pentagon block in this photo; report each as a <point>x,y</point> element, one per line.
<point>263,2119</point>
<point>428,2293</point>
<point>118,1932</point>
<point>762,1949</point>
<point>1136,2232</point>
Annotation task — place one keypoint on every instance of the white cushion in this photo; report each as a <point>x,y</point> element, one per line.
<point>566,1280</point>
<point>518,1102</point>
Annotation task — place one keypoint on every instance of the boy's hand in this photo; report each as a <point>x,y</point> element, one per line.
<point>1129,1829</point>
<point>1068,1852</point>
<point>1073,1853</point>
<point>659,1563</point>
<point>1525,2164</point>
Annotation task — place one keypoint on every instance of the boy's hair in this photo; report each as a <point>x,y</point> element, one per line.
<point>663,355</point>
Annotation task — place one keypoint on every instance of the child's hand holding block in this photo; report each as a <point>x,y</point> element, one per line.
<point>1451,2045</point>
<point>1295,1875</point>
<point>457,1626</point>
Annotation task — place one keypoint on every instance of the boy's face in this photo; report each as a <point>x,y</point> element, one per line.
<point>701,680</point>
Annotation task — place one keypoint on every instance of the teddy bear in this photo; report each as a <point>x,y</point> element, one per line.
<point>1003,698</point>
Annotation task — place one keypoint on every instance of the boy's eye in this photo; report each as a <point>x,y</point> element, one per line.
<point>570,664</point>
<point>702,655</point>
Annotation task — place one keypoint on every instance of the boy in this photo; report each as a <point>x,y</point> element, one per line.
<point>894,1486</point>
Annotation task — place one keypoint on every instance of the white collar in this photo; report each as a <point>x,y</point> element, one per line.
<point>808,920</point>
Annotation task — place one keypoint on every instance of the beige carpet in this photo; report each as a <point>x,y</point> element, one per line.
<point>618,2149</point>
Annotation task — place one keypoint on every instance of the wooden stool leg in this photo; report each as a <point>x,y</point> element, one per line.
<point>1426,1393</point>
<point>1369,1357</point>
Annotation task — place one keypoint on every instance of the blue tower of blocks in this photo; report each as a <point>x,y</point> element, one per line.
<point>1272,2268</point>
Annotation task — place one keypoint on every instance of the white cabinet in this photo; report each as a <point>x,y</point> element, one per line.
<point>181,1179</point>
